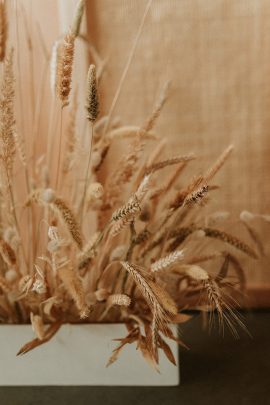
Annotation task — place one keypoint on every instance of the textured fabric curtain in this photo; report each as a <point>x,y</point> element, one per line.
<point>216,55</point>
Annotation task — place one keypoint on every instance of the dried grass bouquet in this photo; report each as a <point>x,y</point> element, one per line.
<point>88,239</point>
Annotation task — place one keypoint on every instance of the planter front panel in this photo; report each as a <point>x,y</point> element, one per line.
<point>77,355</point>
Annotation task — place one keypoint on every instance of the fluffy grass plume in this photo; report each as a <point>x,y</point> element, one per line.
<point>64,68</point>
<point>92,102</point>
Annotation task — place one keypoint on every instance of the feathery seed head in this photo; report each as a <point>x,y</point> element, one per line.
<point>196,273</point>
<point>92,101</point>
<point>64,68</point>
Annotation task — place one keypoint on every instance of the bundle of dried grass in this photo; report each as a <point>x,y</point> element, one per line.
<point>153,215</point>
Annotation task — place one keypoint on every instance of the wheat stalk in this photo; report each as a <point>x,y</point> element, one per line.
<point>155,296</point>
<point>92,108</point>
<point>128,131</point>
<point>197,195</point>
<point>69,219</point>
<point>218,164</point>
<point>169,162</point>
<point>166,261</point>
<point>128,210</point>
<point>232,240</point>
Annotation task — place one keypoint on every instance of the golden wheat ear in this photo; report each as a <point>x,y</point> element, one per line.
<point>69,219</point>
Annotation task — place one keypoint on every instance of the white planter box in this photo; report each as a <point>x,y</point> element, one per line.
<point>77,355</point>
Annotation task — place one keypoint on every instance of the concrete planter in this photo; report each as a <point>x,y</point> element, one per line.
<point>77,355</point>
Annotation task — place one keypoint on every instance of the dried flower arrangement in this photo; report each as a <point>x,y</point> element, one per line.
<point>136,267</point>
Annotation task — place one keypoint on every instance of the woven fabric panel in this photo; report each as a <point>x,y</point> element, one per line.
<point>217,56</point>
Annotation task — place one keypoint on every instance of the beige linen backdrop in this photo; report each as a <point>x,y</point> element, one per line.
<point>216,53</point>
